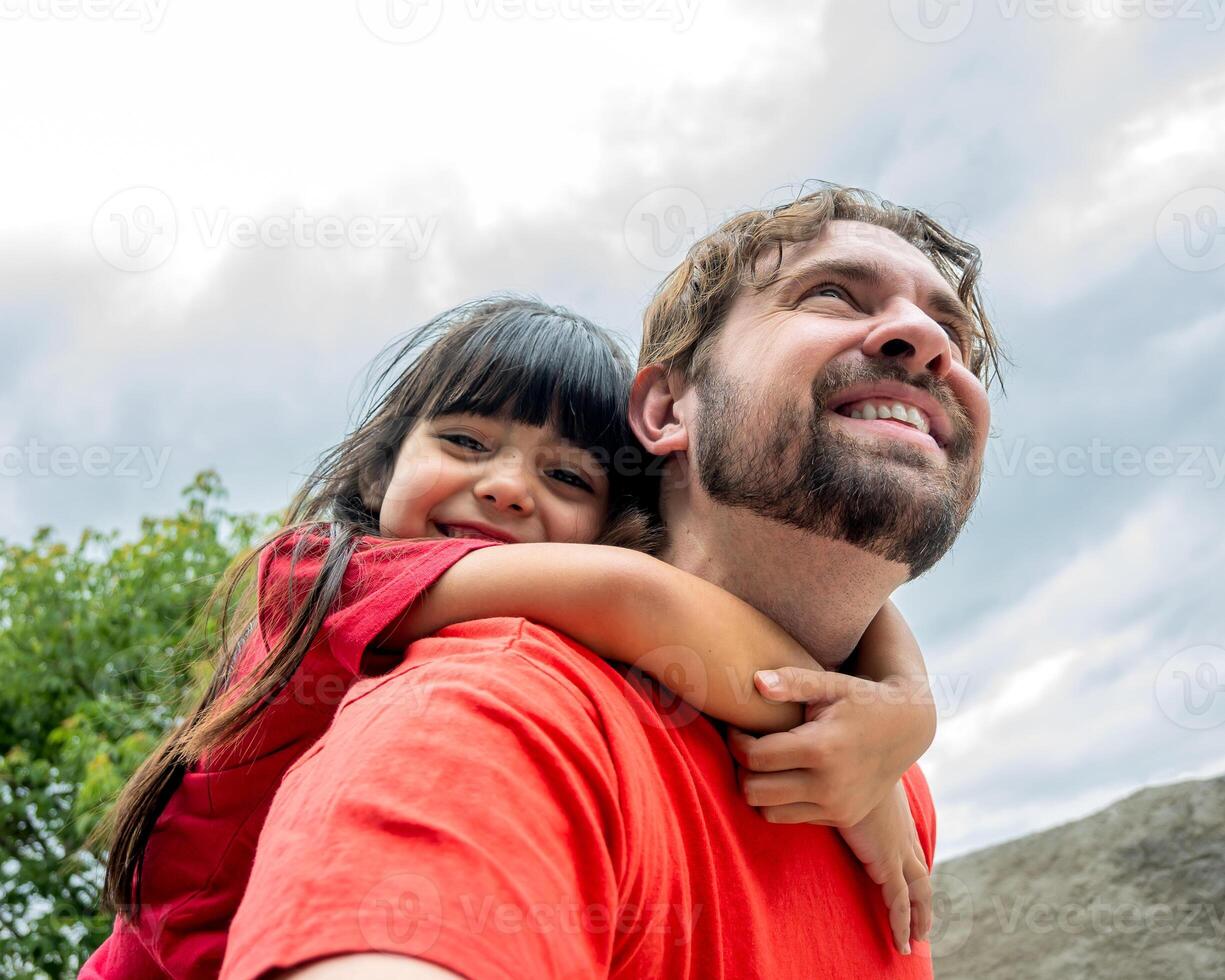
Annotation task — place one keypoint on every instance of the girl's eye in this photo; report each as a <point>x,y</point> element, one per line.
<point>463,441</point>
<point>571,478</point>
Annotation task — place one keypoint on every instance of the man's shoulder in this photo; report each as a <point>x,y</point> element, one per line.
<point>529,664</point>
<point>533,643</point>
<point>499,632</point>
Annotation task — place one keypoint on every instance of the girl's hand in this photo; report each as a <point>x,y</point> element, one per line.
<point>857,739</point>
<point>887,844</point>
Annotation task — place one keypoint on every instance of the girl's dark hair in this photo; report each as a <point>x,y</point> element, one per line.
<point>501,356</point>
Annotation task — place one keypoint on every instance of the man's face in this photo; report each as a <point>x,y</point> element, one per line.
<point>797,410</point>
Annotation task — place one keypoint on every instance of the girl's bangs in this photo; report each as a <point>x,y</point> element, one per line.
<point>541,369</point>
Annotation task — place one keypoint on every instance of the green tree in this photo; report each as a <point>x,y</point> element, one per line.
<point>98,660</point>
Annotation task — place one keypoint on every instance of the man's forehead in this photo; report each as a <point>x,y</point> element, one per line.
<point>879,246</point>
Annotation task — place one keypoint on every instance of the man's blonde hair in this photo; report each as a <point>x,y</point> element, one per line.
<point>684,317</point>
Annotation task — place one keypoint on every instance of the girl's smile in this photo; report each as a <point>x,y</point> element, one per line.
<point>468,529</point>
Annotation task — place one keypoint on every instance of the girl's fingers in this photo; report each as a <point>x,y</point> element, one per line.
<point>921,901</point>
<point>796,749</point>
<point>777,788</point>
<point>795,813</point>
<point>897,898</point>
<point>738,743</point>
<point>805,684</point>
<point>921,886</point>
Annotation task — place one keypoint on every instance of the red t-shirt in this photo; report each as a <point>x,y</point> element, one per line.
<point>505,804</point>
<point>200,853</point>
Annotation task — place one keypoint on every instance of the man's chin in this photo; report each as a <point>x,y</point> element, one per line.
<point>896,502</point>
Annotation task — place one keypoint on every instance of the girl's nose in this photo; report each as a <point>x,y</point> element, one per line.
<point>505,487</point>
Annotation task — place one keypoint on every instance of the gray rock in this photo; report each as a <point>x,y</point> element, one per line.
<point>1134,891</point>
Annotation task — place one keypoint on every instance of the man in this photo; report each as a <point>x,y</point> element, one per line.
<point>820,369</point>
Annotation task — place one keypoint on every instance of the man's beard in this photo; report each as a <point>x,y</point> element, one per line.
<point>887,497</point>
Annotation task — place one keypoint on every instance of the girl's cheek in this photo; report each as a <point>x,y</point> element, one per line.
<point>584,525</point>
<point>413,492</point>
<point>423,480</point>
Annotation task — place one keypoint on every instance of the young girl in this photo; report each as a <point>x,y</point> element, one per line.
<point>499,422</point>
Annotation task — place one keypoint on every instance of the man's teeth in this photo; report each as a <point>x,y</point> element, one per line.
<point>890,410</point>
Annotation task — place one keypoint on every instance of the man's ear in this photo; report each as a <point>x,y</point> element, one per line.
<point>654,413</point>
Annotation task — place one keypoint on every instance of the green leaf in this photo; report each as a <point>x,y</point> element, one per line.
<point>98,658</point>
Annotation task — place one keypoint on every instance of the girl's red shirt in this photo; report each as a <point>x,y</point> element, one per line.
<point>199,856</point>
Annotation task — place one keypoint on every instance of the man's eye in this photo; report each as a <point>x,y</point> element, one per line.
<point>828,287</point>
<point>463,441</point>
<point>958,339</point>
<point>571,478</point>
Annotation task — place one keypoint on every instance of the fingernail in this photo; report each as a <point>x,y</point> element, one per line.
<point>906,949</point>
<point>768,678</point>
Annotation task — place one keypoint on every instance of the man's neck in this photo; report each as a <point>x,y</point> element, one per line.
<point>821,591</point>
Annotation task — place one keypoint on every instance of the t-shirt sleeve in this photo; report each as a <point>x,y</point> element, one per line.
<point>382,580</point>
<point>461,810</point>
<point>923,810</point>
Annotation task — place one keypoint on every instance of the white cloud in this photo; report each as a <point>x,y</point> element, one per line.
<point>235,105</point>
<point>1096,217</point>
<point>1061,714</point>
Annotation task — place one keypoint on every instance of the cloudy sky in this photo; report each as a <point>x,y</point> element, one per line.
<point>213,215</point>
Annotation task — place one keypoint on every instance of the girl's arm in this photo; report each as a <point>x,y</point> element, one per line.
<point>692,636</point>
<point>889,654</point>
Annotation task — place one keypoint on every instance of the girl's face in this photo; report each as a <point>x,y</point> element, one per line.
<point>486,477</point>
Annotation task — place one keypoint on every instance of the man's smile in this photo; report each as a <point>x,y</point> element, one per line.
<point>907,407</point>
<point>875,409</point>
<point>901,429</point>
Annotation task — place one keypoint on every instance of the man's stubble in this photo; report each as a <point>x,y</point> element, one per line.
<point>892,499</point>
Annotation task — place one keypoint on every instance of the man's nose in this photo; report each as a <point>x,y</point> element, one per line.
<point>913,339</point>
<point>505,486</point>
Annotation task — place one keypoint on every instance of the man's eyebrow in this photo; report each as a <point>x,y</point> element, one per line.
<point>940,302</point>
<point>854,270</point>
